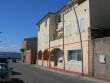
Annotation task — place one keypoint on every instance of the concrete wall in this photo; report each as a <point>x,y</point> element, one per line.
<point>43,35</point>
<point>102,47</point>
<point>100,13</point>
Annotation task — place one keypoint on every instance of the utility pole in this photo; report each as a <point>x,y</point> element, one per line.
<point>80,36</point>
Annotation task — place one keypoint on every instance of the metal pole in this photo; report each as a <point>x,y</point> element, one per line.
<point>63,43</point>
<point>93,55</point>
<point>79,34</point>
<point>49,44</point>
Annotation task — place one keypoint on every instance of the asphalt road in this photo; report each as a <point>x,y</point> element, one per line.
<point>23,73</point>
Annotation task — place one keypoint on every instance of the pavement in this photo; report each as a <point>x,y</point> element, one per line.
<point>90,79</point>
<point>24,73</point>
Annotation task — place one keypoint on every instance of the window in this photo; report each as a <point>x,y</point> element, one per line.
<point>59,18</point>
<point>81,25</point>
<point>74,55</point>
<point>68,31</point>
<point>3,67</point>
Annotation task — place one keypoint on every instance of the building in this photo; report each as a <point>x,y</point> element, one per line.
<point>59,43</point>
<point>30,50</point>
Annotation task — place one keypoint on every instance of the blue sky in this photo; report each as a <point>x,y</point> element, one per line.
<point>18,20</point>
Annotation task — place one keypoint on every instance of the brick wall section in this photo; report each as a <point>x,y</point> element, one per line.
<point>102,47</point>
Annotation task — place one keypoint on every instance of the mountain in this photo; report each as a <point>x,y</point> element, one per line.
<point>10,55</point>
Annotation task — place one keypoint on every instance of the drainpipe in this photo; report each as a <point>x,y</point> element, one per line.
<point>37,59</point>
<point>80,36</point>
<point>93,55</point>
<point>63,42</point>
<point>49,43</point>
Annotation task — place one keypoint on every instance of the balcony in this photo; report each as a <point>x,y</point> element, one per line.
<point>60,27</point>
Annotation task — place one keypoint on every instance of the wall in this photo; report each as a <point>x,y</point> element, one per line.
<point>32,44</point>
<point>72,41</point>
<point>43,35</point>
<point>102,47</point>
<point>30,57</point>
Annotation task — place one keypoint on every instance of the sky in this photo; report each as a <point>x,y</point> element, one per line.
<point>18,20</point>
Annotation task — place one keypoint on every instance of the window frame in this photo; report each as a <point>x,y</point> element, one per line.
<point>75,51</point>
<point>67,30</point>
<point>81,25</point>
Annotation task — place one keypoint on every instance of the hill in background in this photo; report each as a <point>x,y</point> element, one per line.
<point>10,55</point>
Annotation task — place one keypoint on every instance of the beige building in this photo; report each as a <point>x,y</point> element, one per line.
<point>59,43</point>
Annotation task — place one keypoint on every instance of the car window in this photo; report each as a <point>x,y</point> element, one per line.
<point>3,67</point>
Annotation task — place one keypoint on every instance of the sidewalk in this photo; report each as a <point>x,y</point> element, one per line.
<point>92,80</point>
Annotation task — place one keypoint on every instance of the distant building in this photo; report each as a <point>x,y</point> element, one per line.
<point>29,45</point>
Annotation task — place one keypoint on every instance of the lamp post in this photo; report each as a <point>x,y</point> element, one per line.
<point>80,36</point>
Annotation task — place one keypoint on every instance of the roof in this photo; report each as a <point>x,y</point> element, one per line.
<point>63,7</point>
<point>31,38</point>
<point>60,10</point>
<point>52,13</point>
<point>39,22</point>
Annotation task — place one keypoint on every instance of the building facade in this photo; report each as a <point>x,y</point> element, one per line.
<point>59,43</point>
<point>30,50</point>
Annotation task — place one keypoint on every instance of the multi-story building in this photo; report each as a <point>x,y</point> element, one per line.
<point>59,42</point>
<point>30,50</point>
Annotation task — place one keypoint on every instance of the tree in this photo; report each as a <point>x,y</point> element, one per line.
<point>22,50</point>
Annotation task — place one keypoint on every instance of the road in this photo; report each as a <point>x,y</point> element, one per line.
<point>23,73</point>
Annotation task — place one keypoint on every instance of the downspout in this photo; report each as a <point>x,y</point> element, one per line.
<point>80,36</point>
<point>63,42</point>
<point>93,55</point>
<point>37,53</point>
<point>49,43</point>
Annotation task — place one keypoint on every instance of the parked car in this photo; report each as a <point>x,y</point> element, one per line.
<point>3,60</point>
<point>5,73</point>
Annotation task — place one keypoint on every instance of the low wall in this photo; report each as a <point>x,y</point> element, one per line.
<point>102,58</point>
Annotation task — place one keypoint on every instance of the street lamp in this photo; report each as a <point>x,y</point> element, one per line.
<point>79,32</point>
